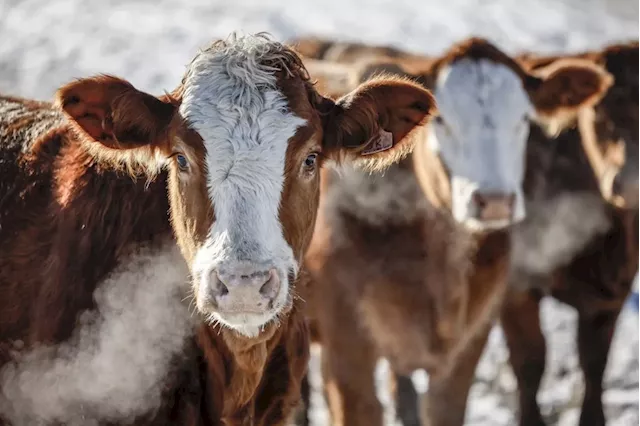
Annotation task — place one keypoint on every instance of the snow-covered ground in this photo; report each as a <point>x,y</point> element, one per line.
<point>45,43</point>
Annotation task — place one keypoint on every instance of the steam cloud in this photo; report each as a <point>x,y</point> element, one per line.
<point>555,230</point>
<point>114,367</point>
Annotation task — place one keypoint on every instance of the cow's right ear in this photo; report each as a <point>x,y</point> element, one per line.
<point>111,111</point>
<point>378,123</point>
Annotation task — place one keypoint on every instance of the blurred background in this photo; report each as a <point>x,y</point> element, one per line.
<point>46,43</point>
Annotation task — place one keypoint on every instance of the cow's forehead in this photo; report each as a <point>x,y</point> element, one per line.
<point>474,89</point>
<point>232,99</point>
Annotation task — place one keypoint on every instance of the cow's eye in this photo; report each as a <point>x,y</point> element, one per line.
<point>309,165</point>
<point>182,162</point>
<point>311,160</point>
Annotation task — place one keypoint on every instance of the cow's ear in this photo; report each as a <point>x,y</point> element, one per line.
<point>560,90</point>
<point>111,111</point>
<point>378,123</point>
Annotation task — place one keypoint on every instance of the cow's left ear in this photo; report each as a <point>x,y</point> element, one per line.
<point>378,123</point>
<point>561,89</point>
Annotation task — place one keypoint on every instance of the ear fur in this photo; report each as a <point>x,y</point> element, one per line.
<point>111,111</point>
<point>379,122</point>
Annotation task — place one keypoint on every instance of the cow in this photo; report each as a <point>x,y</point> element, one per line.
<point>582,185</point>
<point>412,265</point>
<point>218,181</point>
<point>341,51</point>
<point>338,63</point>
<point>331,79</point>
<point>597,151</point>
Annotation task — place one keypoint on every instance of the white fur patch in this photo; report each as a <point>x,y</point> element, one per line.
<point>483,134</point>
<point>232,100</point>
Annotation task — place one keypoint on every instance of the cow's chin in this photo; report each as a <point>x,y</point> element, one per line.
<point>481,226</point>
<point>250,324</point>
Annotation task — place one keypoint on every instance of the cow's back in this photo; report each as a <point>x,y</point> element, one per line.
<point>23,121</point>
<point>25,168</point>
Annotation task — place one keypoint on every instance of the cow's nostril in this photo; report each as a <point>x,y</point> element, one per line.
<point>223,290</point>
<point>218,288</point>
<point>494,205</point>
<point>244,288</point>
<point>271,286</point>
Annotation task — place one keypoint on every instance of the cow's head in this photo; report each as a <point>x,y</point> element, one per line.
<point>243,138</point>
<point>473,161</point>
<point>609,130</point>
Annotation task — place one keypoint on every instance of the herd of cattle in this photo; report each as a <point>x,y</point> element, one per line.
<point>380,203</point>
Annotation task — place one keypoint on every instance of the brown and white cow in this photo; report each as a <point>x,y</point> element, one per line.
<point>345,52</point>
<point>579,242</point>
<point>227,166</point>
<point>412,265</point>
<point>609,131</point>
<point>615,117</point>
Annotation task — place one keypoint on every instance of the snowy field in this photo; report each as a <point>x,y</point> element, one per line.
<point>45,43</point>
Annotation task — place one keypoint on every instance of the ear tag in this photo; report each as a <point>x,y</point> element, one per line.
<point>382,142</point>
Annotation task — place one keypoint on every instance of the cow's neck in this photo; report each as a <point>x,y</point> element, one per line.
<point>95,220</point>
<point>235,365</point>
<point>250,358</point>
<point>491,247</point>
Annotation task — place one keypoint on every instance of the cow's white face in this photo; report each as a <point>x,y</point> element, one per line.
<point>481,137</point>
<point>233,102</point>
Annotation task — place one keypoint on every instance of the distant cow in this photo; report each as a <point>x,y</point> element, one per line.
<point>598,152</point>
<point>580,240</point>
<point>228,166</point>
<point>332,62</point>
<point>609,131</point>
<point>412,265</point>
<point>342,52</point>
<point>330,78</point>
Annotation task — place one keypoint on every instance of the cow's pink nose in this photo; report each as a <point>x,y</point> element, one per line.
<point>494,206</point>
<point>244,289</point>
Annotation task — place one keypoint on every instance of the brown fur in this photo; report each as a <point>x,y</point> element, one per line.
<point>398,307</point>
<point>597,277</point>
<point>613,120</point>
<point>331,78</point>
<point>81,193</point>
<point>380,292</point>
<point>343,52</point>
<point>405,282</point>
<point>557,94</point>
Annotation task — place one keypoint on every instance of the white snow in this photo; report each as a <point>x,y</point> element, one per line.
<point>44,44</point>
